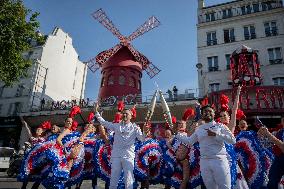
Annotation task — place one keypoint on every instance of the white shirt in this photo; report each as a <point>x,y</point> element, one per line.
<point>210,146</point>
<point>124,137</point>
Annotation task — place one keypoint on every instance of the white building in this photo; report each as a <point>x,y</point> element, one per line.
<point>223,28</point>
<point>56,74</point>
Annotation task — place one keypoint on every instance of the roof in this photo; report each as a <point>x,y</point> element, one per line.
<point>221,4</point>
<point>104,56</point>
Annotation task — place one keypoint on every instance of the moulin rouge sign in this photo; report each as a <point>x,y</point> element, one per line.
<point>257,99</point>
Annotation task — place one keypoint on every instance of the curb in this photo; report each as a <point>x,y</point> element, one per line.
<point>8,179</point>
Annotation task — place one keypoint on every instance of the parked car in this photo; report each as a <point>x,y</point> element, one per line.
<point>5,154</point>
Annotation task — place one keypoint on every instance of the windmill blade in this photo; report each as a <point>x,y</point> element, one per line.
<point>93,65</point>
<point>101,16</point>
<point>151,70</point>
<point>104,56</point>
<point>150,24</point>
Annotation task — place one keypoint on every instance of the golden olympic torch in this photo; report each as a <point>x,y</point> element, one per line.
<point>151,107</point>
<point>166,110</point>
<point>150,113</point>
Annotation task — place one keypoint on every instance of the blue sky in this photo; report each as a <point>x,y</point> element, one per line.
<point>171,46</point>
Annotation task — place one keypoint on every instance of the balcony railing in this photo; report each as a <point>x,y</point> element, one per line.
<point>272,32</point>
<point>213,69</point>
<point>251,36</point>
<point>237,11</point>
<point>276,61</point>
<point>229,39</point>
<point>212,42</point>
<point>228,66</point>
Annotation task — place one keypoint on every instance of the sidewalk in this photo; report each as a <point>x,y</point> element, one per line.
<point>4,178</point>
<point>11,183</point>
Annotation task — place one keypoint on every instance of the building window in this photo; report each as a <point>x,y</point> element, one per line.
<point>266,6</point>
<point>243,9</point>
<point>248,9</point>
<point>270,29</point>
<point>20,90</point>
<point>110,80</point>
<point>10,108</point>
<point>103,82</point>
<point>278,81</point>
<point>121,80</point>
<point>212,63</point>
<point>139,85</point>
<point>227,56</point>
<point>275,56</point>
<point>227,13</point>
<point>249,32</point>
<point>210,17</point>
<point>229,35</point>
<point>132,82</point>
<point>211,38</point>
<point>74,84</point>
<point>2,90</point>
<point>214,87</point>
<point>255,7</point>
<point>18,108</point>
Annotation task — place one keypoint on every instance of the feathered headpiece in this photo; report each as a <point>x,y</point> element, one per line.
<point>174,119</point>
<point>134,113</point>
<point>74,111</point>
<point>74,125</point>
<point>90,117</point>
<point>204,102</point>
<point>188,113</point>
<point>240,115</point>
<point>224,101</point>
<point>45,125</point>
<point>117,117</point>
<point>120,106</point>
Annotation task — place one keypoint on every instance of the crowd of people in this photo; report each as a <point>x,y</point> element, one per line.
<point>206,149</point>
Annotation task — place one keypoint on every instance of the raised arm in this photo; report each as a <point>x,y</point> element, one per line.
<point>61,136</point>
<point>263,131</point>
<point>24,123</point>
<point>187,140</point>
<point>89,129</point>
<point>103,134</point>
<point>232,124</point>
<point>106,124</point>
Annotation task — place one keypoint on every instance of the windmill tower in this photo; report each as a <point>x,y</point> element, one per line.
<point>122,65</point>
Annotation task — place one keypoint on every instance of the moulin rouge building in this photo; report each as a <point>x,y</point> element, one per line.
<point>236,25</point>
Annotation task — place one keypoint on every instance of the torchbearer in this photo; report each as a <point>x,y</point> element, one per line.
<point>122,156</point>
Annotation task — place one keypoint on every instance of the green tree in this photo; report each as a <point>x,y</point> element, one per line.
<point>18,27</point>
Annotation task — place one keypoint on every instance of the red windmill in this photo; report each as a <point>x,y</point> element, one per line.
<point>122,65</point>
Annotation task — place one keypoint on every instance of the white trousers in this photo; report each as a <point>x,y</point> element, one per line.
<point>119,164</point>
<point>216,173</point>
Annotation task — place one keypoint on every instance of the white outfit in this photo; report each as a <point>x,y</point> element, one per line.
<point>122,155</point>
<point>214,165</point>
<point>241,183</point>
